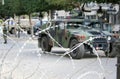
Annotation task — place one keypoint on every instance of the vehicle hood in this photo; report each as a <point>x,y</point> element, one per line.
<point>95,33</point>
<point>107,33</point>
<point>80,32</point>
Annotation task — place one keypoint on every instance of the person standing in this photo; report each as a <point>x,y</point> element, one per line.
<point>5,34</point>
<point>1,21</point>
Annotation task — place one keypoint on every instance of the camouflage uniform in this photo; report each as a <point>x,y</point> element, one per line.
<point>1,21</point>
<point>5,34</point>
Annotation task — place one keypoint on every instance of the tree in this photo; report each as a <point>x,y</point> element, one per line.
<point>7,9</point>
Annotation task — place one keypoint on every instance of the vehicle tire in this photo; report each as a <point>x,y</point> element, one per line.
<point>12,31</point>
<point>78,52</point>
<point>28,31</point>
<point>45,44</point>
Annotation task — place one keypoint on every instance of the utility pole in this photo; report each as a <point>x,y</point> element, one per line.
<point>116,50</point>
<point>118,66</point>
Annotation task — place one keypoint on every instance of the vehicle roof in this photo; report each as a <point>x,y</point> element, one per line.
<point>74,20</point>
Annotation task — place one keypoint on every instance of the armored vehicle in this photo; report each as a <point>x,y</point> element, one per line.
<point>70,33</point>
<point>106,30</point>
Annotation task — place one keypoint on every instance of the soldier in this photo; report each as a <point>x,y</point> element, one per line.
<point>1,21</point>
<point>5,33</point>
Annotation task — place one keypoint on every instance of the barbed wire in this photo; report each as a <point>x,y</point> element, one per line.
<point>66,53</point>
<point>76,46</point>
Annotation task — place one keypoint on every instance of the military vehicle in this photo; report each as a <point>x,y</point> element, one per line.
<point>106,30</point>
<point>69,33</point>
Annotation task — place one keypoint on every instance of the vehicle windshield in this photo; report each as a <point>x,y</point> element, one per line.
<point>101,26</point>
<point>85,25</point>
<point>77,25</point>
<point>73,25</point>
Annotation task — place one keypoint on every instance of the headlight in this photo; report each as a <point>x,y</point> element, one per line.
<point>108,38</point>
<point>91,38</point>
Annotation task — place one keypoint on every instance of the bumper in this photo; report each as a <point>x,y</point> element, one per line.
<point>100,44</point>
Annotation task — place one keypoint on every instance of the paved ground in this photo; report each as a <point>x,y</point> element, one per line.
<point>22,59</point>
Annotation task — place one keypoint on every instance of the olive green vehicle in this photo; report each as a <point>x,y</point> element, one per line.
<point>106,30</point>
<point>68,33</point>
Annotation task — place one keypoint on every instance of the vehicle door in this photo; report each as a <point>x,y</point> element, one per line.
<point>61,33</point>
<point>52,31</point>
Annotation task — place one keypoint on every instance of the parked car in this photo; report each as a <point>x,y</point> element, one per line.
<point>37,26</point>
<point>68,33</point>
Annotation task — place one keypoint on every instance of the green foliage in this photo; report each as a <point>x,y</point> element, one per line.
<point>21,7</point>
<point>7,9</point>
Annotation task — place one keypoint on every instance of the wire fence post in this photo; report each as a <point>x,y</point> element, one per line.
<point>117,50</point>
<point>118,66</point>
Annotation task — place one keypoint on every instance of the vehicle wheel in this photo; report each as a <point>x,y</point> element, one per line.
<point>45,44</point>
<point>28,31</point>
<point>12,31</point>
<point>77,53</point>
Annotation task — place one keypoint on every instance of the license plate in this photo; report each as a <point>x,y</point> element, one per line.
<point>98,48</point>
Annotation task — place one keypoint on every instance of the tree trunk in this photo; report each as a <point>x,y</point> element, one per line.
<point>31,27</point>
<point>19,28</point>
<point>40,17</point>
<point>49,15</point>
